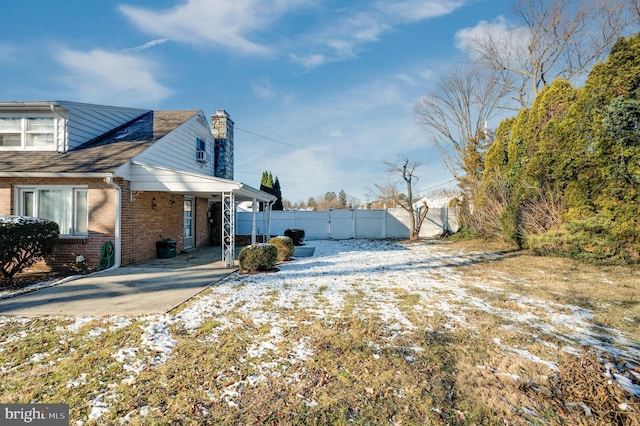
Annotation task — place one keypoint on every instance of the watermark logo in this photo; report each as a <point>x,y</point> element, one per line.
<point>34,414</point>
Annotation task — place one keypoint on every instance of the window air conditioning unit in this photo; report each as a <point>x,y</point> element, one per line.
<point>202,156</point>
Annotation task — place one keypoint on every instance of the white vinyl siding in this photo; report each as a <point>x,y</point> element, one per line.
<point>177,150</point>
<point>65,205</point>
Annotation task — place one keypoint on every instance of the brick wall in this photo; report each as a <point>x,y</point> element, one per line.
<point>6,197</point>
<point>101,198</point>
<point>146,218</point>
<point>156,215</point>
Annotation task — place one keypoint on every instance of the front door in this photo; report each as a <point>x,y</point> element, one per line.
<point>188,222</point>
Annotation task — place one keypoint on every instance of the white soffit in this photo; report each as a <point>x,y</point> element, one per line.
<point>144,177</point>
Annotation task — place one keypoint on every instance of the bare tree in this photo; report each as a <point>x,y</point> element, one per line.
<point>455,114</point>
<point>390,192</point>
<point>635,9</point>
<point>552,38</point>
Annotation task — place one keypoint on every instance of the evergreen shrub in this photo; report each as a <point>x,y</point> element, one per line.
<point>284,245</point>
<point>593,240</point>
<point>258,257</point>
<point>24,241</point>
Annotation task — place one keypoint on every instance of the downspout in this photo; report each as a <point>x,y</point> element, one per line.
<point>118,222</point>
<point>254,208</point>
<point>269,205</point>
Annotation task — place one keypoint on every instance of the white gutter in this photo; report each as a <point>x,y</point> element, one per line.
<point>118,223</point>
<point>55,174</point>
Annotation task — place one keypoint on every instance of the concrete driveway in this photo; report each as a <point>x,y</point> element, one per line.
<point>152,287</point>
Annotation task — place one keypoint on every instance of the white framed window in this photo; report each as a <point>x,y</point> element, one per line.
<point>28,132</point>
<point>201,151</point>
<point>65,205</point>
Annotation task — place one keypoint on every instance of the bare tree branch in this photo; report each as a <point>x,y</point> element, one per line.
<point>553,38</point>
<point>404,169</point>
<point>456,112</point>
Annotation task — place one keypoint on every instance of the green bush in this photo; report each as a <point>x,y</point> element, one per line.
<point>297,235</point>
<point>284,245</point>
<point>594,240</point>
<point>258,257</point>
<point>24,241</point>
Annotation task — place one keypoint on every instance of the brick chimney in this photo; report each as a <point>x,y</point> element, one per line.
<point>222,129</point>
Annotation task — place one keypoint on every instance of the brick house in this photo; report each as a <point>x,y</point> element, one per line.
<point>127,176</point>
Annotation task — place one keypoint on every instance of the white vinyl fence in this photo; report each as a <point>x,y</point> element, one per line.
<point>346,224</point>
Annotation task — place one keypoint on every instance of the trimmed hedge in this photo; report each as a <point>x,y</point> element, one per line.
<point>258,257</point>
<point>24,241</point>
<point>297,235</point>
<point>284,245</point>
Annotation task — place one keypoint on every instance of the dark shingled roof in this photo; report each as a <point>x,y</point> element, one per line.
<point>103,154</point>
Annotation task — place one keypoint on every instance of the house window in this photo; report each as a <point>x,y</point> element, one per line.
<point>67,206</point>
<point>201,151</point>
<point>28,132</point>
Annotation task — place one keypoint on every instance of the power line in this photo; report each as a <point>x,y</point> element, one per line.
<point>437,186</point>
<point>307,149</point>
<point>344,177</point>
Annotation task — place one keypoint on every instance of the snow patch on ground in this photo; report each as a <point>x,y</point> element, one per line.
<point>376,273</point>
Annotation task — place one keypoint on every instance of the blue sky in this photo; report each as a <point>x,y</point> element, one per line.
<point>321,91</point>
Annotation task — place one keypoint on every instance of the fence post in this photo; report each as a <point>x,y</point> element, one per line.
<point>384,223</point>
<point>353,224</point>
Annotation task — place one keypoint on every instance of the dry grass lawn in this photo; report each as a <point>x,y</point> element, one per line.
<point>443,333</point>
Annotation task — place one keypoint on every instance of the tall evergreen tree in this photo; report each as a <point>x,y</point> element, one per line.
<point>342,199</point>
<point>277,205</point>
<point>312,203</point>
<point>564,175</point>
<point>271,186</point>
<point>266,185</point>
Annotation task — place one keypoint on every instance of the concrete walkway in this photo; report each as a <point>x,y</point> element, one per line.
<point>152,287</point>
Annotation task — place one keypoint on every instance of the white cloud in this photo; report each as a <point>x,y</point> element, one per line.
<point>365,26</point>
<point>353,29</point>
<point>227,24</point>
<point>111,77</point>
<point>237,25</point>
<point>418,10</point>
<point>263,89</point>
<point>309,61</point>
<point>504,38</point>
<point>147,45</point>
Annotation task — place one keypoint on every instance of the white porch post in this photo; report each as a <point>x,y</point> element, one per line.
<point>253,220</point>
<point>228,228</point>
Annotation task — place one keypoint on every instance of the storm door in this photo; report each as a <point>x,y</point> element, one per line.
<point>188,222</point>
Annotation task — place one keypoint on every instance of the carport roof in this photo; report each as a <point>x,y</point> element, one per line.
<point>145,177</point>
